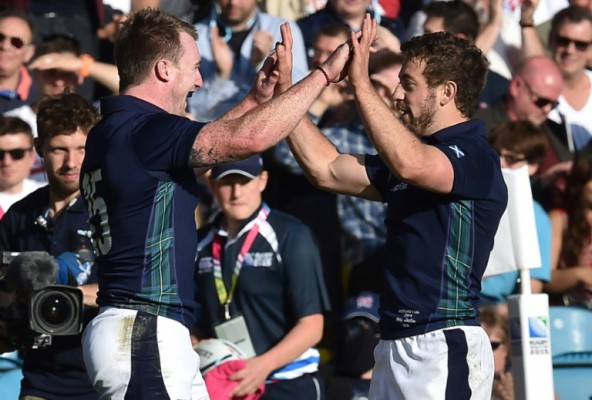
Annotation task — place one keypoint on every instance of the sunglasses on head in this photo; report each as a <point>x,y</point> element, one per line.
<point>565,41</point>
<point>15,154</point>
<point>16,42</point>
<point>538,101</point>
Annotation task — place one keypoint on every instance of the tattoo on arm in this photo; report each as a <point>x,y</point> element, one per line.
<point>199,159</point>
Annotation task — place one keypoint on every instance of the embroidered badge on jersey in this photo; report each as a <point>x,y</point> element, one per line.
<point>457,151</point>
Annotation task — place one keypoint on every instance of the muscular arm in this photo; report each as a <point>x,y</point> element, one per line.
<point>306,333</point>
<point>406,156</point>
<point>325,167</point>
<point>238,135</point>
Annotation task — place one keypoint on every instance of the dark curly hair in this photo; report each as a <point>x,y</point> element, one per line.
<point>64,114</point>
<point>448,57</point>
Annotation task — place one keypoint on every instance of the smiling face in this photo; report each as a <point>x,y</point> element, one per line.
<point>415,102</point>
<point>571,47</point>
<point>11,57</point>
<point>186,76</point>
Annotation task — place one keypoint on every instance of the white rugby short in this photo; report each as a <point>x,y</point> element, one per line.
<point>453,363</point>
<point>136,355</point>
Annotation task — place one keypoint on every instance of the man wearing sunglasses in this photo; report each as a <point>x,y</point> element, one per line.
<point>16,50</point>
<point>16,160</point>
<point>533,93</point>
<point>570,41</point>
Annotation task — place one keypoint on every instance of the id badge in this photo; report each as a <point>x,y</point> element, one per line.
<point>235,330</point>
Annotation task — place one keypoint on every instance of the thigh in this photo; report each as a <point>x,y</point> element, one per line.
<point>136,355</point>
<point>445,364</point>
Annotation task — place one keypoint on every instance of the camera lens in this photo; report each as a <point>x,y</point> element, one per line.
<point>55,309</point>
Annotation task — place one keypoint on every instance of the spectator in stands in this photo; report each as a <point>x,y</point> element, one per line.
<point>59,64</point>
<point>18,157</point>
<point>233,45</point>
<point>350,14</point>
<point>16,49</point>
<point>571,280</point>
<point>533,92</point>
<point>497,328</point>
<point>462,20</point>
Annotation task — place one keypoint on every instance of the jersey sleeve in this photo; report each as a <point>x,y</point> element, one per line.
<point>166,142</point>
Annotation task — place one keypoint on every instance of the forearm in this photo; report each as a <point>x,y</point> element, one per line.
<point>305,334</point>
<point>489,34</point>
<point>89,294</point>
<point>564,279</point>
<point>258,129</point>
<point>531,42</point>
<point>313,151</point>
<point>106,75</point>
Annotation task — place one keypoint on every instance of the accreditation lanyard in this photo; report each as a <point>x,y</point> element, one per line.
<point>224,296</point>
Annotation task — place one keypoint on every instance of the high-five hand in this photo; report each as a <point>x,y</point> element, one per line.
<point>361,49</point>
<point>277,66</point>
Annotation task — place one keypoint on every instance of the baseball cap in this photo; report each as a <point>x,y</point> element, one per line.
<point>364,305</point>
<point>250,167</point>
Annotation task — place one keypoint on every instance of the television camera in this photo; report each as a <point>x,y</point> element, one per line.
<point>32,307</point>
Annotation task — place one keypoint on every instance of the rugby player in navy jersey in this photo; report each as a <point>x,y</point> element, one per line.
<point>445,193</point>
<point>138,181</point>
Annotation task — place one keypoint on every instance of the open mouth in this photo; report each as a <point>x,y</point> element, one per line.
<point>189,94</point>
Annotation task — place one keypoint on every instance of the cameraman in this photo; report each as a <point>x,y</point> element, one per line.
<point>54,219</point>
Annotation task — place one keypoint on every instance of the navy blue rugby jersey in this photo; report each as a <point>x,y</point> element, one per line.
<point>439,244</point>
<point>141,194</point>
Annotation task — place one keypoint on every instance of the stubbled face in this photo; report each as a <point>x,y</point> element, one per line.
<point>187,77</point>
<point>237,12</point>
<point>62,159</point>
<point>415,102</point>
<point>11,58</point>
<point>14,171</point>
<point>239,196</point>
